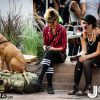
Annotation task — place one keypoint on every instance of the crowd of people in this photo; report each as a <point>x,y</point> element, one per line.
<point>80,12</point>
<point>79,7</point>
<point>70,13</point>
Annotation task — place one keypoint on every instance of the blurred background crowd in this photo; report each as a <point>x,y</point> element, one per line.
<point>69,10</point>
<point>70,14</point>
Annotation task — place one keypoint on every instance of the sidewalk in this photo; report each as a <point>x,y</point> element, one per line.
<point>59,95</point>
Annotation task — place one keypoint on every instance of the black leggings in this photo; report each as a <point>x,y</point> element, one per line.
<point>50,58</point>
<point>47,62</point>
<point>86,66</point>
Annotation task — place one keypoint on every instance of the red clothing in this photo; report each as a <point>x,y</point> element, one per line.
<point>57,40</point>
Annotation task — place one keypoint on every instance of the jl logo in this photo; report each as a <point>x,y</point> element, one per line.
<point>96,92</point>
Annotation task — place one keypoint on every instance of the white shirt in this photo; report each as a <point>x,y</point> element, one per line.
<point>73,16</point>
<point>92,7</point>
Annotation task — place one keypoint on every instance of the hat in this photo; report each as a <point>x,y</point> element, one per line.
<point>90,19</point>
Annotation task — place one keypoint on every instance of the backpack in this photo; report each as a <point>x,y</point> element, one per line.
<point>17,83</point>
<point>31,88</point>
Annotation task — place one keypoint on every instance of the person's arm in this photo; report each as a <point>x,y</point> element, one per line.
<point>45,38</point>
<point>75,7</point>
<point>83,7</point>
<point>94,54</point>
<point>56,4</point>
<point>55,49</point>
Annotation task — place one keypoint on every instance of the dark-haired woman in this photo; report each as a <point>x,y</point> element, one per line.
<point>90,54</point>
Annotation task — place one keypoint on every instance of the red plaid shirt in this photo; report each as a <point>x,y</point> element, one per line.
<point>58,40</point>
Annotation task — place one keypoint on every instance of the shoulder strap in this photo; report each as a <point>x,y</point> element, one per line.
<point>56,35</point>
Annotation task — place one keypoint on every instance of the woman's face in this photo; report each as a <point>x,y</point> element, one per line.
<point>51,24</point>
<point>86,27</point>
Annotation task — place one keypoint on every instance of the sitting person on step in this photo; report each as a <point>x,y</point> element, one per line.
<point>54,35</point>
<point>90,55</point>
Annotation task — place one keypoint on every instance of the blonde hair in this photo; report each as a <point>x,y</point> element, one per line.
<point>51,14</point>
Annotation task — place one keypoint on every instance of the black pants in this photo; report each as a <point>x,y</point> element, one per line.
<point>86,66</point>
<point>50,58</point>
<point>48,61</point>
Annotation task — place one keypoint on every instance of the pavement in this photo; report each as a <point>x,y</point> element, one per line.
<point>59,95</point>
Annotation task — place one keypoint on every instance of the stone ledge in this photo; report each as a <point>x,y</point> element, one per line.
<point>30,58</point>
<point>64,74</point>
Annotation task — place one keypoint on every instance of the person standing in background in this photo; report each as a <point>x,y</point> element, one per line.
<point>62,7</point>
<point>52,3</point>
<point>75,18</point>
<point>77,10</point>
<point>93,8</point>
<point>38,7</point>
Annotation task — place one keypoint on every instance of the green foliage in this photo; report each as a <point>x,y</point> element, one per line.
<point>10,26</point>
<point>32,41</point>
<point>24,35</point>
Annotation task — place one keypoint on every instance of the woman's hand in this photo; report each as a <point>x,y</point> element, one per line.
<point>52,49</point>
<point>83,58</point>
<point>46,47</point>
<point>49,48</point>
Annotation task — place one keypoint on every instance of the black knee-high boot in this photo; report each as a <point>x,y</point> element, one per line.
<point>49,80</point>
<point>78,72</point>
<point>44,69</point>
<point>77,76</point>
<point>74,91</point>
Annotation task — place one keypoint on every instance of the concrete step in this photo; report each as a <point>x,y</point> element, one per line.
<point>64,74</point>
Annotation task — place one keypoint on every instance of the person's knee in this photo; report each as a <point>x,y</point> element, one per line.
<point>79,65</point>
<point>48,54</point>
<point>87,63</point>
<point>46,62</point>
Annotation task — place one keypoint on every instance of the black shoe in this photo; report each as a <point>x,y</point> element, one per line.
<point>50,90</point>
<point>88,89</point>
<point>72,92</point>
<point>80,93</point>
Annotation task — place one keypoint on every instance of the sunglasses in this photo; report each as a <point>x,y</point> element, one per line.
<point>50,22</point>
